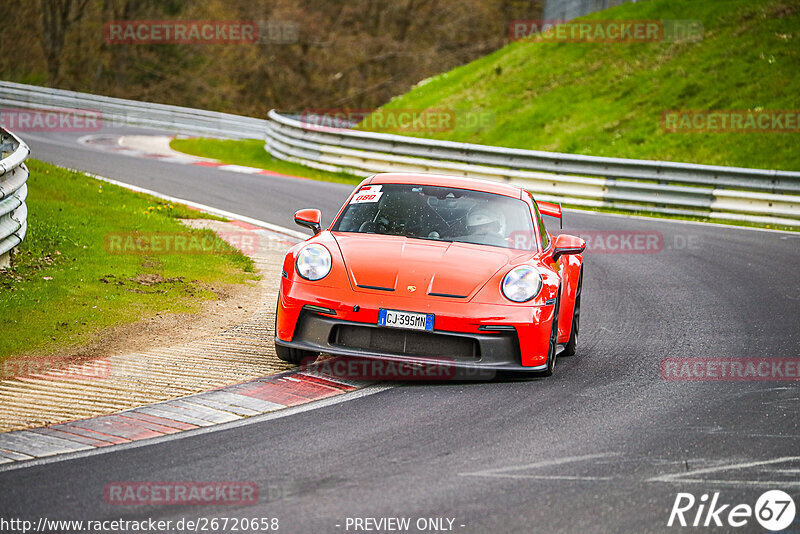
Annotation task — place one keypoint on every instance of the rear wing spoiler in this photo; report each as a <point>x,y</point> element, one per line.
<point>553,210</point>
<point>548,208</point>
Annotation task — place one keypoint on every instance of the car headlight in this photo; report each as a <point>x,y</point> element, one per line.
<point>521,284</point>
<point>313,262</point>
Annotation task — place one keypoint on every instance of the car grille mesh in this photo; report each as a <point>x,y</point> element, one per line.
<point>406,342</point>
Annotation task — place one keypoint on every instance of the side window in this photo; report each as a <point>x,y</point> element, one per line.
<point>542,230</point>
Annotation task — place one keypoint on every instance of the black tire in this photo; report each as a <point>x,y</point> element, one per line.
<point>572,345</point>
<point>288,354</point>
<point>551,353</point>
<point>295,356</point>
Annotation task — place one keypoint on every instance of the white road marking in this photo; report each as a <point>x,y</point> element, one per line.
<point>734,483</point>
<point>554,477</point>
<point>684,477</point>
<point>505,472</point>
<point>681,477</point>
<point>239,168</point>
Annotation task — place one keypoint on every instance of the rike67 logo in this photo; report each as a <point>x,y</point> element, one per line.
<point>774,510</point>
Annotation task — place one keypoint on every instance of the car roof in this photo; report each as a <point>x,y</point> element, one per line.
<point>444,180</point>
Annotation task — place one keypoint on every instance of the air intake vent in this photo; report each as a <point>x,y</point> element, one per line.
<point>406,343</point>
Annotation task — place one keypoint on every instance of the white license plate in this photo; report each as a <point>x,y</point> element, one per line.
<point>403,319</point>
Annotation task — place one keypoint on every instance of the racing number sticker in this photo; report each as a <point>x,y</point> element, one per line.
<point>368,193</point>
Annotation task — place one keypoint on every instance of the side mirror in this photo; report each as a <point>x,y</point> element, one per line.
<point>309,218</point>
<point>567,244</point>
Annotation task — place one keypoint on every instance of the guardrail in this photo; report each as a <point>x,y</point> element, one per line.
<point>570,9</point>
<point>122,112</point>
<point>13,191</point>
<point>728,193</point>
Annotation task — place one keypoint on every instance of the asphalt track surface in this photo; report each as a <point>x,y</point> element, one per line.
<point>602,446</point>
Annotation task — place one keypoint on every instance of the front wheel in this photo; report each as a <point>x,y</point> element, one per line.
<point>295,356</point>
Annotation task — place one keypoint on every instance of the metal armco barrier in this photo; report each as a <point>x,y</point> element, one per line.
<point>728,193</point>
<point>684,189</point>
<point>570,9</point>
<point>121,112</point>
<point>13,191</point>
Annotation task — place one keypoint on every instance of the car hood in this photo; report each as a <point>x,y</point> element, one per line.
<point>380,263</point>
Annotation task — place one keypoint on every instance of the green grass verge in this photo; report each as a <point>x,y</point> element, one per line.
<point>608,99</point>
<point>64,287</point>
<point>251,153</point>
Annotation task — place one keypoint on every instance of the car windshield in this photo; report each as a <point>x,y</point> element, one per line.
<point>439,213</point>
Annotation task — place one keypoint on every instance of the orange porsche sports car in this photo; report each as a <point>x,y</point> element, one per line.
<point>433,269</point>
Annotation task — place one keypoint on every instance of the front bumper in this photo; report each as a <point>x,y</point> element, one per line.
<point>465,335</point>
<point>318,333</point>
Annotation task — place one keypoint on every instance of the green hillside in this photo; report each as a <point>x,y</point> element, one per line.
<point>607,99</point>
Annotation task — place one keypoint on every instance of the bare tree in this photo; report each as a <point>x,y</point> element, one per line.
<point>356,54</point>
<point>56,18</point>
